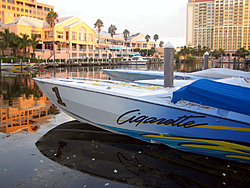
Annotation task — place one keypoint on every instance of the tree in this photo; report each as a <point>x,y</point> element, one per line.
<point>111,31</point>
<point>217,53</point>
<point>147,37</point>
<point>6,37</point>
<point>242,52</point>
<point>2,46</point>
<point>51,19</point>
<point>205,49</point>
<point>34,42</point>
<point>185,51</point>
<point>156,37</point>
<point>15,43</point>
<point>161,44</point>
<point>25,42</point>
<point>199,50</point>
<point>126,34</point>
<point>98,24</point>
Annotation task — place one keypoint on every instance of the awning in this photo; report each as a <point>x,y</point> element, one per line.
<point>115,48</point>
<point>61,42</point>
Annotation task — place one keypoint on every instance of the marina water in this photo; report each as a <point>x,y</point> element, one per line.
<point>40,146</point>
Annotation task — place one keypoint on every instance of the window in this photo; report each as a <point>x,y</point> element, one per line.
<point>48,34</point>
<point>67,35</point>
<point>74,47</point>
<point>73,35</point>
<point>49,46</point>
<point>91,48</point>
<point>59,34</point>
<point>102,41</point>
<point>38,35</point>
<point>46,9</point>
<point>91,38</point>
<point>82,47</point>
<point>3,6</point>
<point>82,34</point>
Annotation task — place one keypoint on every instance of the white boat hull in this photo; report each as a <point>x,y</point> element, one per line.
<point>187,127</point>
<point>131,75</point>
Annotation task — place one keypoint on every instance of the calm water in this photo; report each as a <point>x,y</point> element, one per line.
<point>42,147</point>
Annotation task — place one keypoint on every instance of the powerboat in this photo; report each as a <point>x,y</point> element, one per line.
<point>204,117</point>
<point>136,59</point>
<point>131,75</point>
<point>8,65</point>
<point>233,80</point>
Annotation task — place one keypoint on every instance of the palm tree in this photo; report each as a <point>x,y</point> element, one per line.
<point>111,31</point>
<point>51,19</point>
<point>126,34</point>
<point>156,37</point>
<point>15,43</point>
<point>98,24</point>
<point>6,37</point>
<point>34,42</point>
<point>242,52</point>
<point>2,46</point>
<point>161,44</point>
<point>199,50</point>
<point>205,49</point>
<point>185,51</point>
<point>147,37</point>
<point>25,42</point>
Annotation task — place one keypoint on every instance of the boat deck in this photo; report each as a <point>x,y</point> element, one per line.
<point>160,95</point>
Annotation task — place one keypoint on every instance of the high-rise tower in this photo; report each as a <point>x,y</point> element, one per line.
<point>218,24</point>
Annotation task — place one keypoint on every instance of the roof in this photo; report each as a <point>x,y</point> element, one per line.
<point>34,22</point>
<point>60,20</point>
<point>120,35</point>
<point>141,39</point>
<point>23,20</point>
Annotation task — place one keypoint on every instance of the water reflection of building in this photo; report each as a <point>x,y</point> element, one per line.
<point>84,72</point>
<point>25,114</point>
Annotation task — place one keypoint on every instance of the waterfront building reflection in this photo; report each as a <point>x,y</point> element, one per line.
<point>22,105</point>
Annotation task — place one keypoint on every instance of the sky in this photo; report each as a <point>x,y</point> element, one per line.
<point>167,18</point>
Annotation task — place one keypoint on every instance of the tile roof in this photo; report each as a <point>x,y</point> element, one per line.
<point>23,20</point>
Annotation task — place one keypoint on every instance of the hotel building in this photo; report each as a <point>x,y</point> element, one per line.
<point>11,9</point>
<point>75,39</point>
<point>218,24</point>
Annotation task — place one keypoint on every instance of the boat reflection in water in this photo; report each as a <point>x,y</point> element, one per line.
<point>119,158</point>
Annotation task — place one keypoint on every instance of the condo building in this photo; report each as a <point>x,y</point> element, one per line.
<point>11,9</point>
<point>218,24</point>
